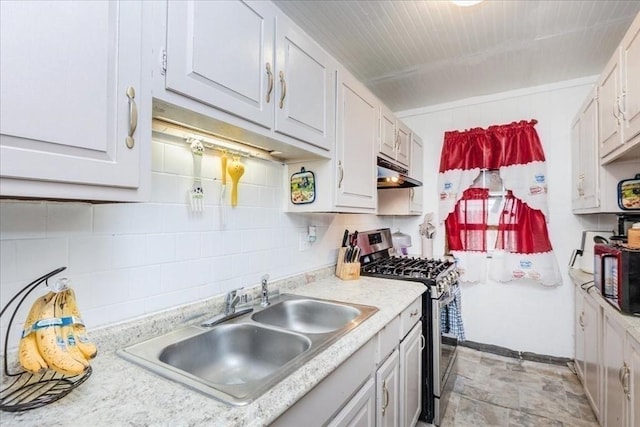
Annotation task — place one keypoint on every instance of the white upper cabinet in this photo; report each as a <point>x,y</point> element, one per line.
<point>221,53</point>
<point>249,60</point>
<point>75,115</point>
<point>403,142</point>
<point>356,135</point>
<point>305,87</point>
<point>395,137</point>
<point>619,101</point>
<point>387,132</point>
<point>585,164</point>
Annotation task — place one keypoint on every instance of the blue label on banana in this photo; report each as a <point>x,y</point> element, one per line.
<point>53,321</point>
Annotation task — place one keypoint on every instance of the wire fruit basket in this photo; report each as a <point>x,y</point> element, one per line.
<point>26,390</point>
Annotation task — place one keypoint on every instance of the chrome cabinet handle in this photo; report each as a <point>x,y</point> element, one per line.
<point>133,117</point>
<point>341,173</point>
<point>622,111</point>
<point>270,88</point>
<point>411,194</point>
<point>423,342</point>
<point>626,371</point>
<point>581,320</point>
<point>283,83</point>
<point>385,399</point>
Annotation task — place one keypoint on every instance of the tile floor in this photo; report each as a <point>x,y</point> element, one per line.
<point>492,390</point>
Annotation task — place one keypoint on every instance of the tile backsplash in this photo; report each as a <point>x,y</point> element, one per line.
<point>130,259</point>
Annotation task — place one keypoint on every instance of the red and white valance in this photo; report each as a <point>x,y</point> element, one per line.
<point>523,250</point>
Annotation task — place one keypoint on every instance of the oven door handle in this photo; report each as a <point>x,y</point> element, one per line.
<point>445,300</point>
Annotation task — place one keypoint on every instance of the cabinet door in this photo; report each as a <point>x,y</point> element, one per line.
<point>630,51</point>
<point>592,374</point>
<point>609,137</point>
<point>633,362</point>
<point>576,166</point>
<point>304,88</point>
<point>613,363</point>
<point>357,120</point>
<point>589,163</point>
<point>416,171</point>
<point>579,332</point>
<point>221,54</point>
<point>387,132</point>
<point>411,377</point>
<point>360,411</point>
<point>65,113</point>
<point>403,143</point>
<point>388,392</point>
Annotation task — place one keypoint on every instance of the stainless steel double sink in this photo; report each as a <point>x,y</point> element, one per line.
<point>238,360</point>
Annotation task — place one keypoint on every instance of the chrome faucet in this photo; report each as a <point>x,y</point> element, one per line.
<point>265,291</point>
<point>230,302</point>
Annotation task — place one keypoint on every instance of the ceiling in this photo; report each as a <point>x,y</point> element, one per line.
<point>418,53</point>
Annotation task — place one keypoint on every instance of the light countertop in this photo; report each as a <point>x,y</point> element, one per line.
<point>629,322</point>
<point>120,393</point>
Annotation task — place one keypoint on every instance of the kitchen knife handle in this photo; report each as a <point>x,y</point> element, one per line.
<point>270,87</point>
<point>344,238</point>
<point>133,117</point>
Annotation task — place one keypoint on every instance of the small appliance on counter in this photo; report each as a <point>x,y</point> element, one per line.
<point>589,239</point>
<point>617,276</point>
<point>401,242</point>
<point>625,223</point>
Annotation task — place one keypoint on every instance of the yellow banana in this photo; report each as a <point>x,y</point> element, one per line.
<point>28,353</point>
<point>52,346</point>
<point>66,331</point>
<point>86,347</point>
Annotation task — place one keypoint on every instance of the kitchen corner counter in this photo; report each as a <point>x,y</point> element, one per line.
<point>629,322</point>
<point>122,393</point>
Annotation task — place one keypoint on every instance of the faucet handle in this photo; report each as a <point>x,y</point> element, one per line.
<point>265,278</point>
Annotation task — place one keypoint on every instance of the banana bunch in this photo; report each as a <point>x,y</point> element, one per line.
<point>55,336</point>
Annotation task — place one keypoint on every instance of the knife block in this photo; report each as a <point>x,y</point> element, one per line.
<point>347,270</point>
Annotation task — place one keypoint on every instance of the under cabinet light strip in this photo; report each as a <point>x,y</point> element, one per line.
<point>182,134</point>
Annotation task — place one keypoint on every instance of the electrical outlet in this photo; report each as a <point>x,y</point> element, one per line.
<point>303,242</point>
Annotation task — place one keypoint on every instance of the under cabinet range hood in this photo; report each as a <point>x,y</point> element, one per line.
<point>391,175</point>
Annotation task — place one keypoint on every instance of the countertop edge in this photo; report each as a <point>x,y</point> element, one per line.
<point>123,393</point>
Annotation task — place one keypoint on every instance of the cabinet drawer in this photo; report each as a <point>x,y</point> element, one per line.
<point>388,339</point>
<point>410,316</point>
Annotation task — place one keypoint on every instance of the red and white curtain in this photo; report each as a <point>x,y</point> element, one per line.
<point>522,250</point>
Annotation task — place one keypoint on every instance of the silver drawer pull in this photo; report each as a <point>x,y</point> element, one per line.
<point>283,83</point>
<point>270,88</point>
<point>133,117</point>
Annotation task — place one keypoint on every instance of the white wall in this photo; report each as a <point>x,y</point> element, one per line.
<point>126,260</point>
<point>517,316</point>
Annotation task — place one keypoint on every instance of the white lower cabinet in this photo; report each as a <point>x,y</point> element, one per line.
<point>388,392</point>
<point>614,369</point>
<point>360,411</point>
<point>410,376</point>
<point>608,360</point>
<point>632,350</point>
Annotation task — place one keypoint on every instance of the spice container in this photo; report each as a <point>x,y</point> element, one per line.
<point>633,236</point>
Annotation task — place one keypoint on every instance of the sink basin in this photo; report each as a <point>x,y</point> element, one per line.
<point>242,357</point>
<point>234,354</point>
<point>307,316</point>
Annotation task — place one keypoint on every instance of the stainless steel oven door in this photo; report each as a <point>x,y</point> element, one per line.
<point>444,355</point>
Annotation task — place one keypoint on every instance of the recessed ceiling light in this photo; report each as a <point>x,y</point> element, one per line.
<point>466,3</point>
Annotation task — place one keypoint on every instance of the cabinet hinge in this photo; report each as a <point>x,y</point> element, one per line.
<point>164,62</point>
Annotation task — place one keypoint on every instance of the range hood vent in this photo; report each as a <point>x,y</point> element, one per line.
<point>391,175</point>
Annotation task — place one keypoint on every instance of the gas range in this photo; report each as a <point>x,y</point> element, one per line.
<point>377,259</point>
<point>438,273</point>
